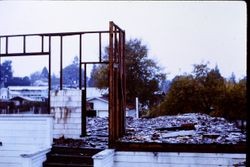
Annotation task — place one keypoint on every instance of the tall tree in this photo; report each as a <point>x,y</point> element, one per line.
<point>210,86</point>
<point>6,72</point>
<point>143,75</point>
<point>91,81</point>
<point>205,91</point>
<point>45,73</point>
<point>71,73</point>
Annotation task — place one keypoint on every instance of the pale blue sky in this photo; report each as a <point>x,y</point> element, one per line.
<point>177,33</point>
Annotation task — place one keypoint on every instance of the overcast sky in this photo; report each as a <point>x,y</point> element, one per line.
<point>177,33</point>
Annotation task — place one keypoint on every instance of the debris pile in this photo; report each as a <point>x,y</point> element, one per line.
<point>190,128</point>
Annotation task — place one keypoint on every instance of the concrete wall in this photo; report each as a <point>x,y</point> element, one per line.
<point>66,108</point>
<point>110,158</point>
<point>156,159</point>
<point>25,139</point>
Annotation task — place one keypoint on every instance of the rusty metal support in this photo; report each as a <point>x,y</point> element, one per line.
<point>6,45</point>
<point>24,54</point>
<point>111,84</point>
<point>115,65</point>
<point>42,43</point>
<point>84,104</point>
<point>116,85</point>
<point>49,77</point>
<point>61,62</point>
<point>24,44</point>
<point>80,61</point>
<point>0,46</point>
<point>100,47</point>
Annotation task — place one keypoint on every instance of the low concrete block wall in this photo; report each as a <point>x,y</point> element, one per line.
<point>104,158</point>
<point>66,108</point>
<point>111,158</point>
<point>164,159</point>
<point>25,135</point>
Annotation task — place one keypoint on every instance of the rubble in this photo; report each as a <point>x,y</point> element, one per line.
<point>190,128</point>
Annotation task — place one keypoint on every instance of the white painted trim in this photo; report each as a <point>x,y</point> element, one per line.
<point>104,158</point>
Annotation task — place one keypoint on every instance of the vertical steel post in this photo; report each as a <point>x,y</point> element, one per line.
<point>100,47</point>
<point>24,44</point>
<point>42,42</point>
<point>111,103</point>
<point>124,79</point>
<point>84,101</point>
<point>80,61</point>
<point>49,77</point>
<point>61,62</point>
<point>6,45</point>
<point>0,62</point>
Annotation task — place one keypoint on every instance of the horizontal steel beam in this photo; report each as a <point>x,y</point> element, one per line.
<point>104,62</point>
<point>55,34</point>
<point>25,54</point>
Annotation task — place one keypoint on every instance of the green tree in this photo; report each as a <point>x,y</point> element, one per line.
<point>45,73</point>
<point>180,97</point>
<point>18,81</point>
<point>71,73</point>
<point>6,72</point>
<point>200,92</point>
<point>210,87</point>
<point>233,105</point>
<point>39,75</point>
<point>143,75</point>
<point>91,81</point>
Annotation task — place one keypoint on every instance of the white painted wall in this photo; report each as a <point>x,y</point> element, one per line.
<point>25,139</point>
<point>101,107</point>
<point>165,159</point>
<point>66,108</point>
<point>151,159</point>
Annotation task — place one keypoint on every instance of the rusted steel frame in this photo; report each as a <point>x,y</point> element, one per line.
<point>116,108</point>
<point>111,102</point>
<point>42,43</point>
<point>92,62</point>
<point>24,44</point>
<point>121,87</point>
<point>0,45</point>
<point>124,77</point>
<point>24,54</point>
<point>6,45</point>
<point>80,61</point>
<point>116,77</point>
<point>165,147</point>
<point>56,34</point>
<point>100,47</point>
<point>117,27</point>
<point>84,101</point>
<point>61,62</point>
<point>49,77</point>
<point>0,58</point>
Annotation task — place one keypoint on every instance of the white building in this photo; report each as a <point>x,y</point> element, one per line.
<point>39,93</point>
<point>4,94</point>
<point>99,105</point>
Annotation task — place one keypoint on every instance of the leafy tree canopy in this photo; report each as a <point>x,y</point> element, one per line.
<point>143,75</point>
<point>206,91</point>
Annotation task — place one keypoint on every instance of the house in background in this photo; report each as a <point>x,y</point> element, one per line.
<point>38,93</point>
<point>4,94</point>
<point>98,105</point>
